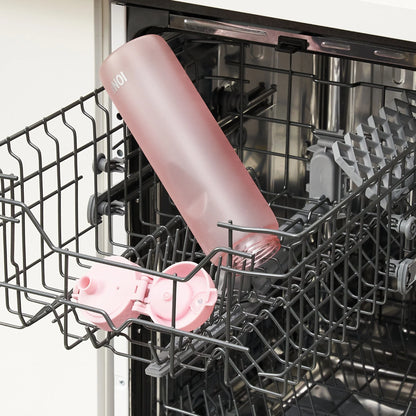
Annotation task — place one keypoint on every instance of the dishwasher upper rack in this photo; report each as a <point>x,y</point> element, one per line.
<point>339,275</point>
<point>307,305</point>
<point>338,270</point>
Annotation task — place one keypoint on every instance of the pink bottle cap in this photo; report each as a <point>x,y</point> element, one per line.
<point>109,288</point>
<point>195,299</point>
<point>124,294</point>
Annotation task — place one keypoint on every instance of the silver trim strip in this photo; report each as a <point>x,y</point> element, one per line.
<point>318,44</point>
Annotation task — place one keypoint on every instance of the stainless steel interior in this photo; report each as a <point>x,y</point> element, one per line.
<point>289,100</point>
<point>325,327</point>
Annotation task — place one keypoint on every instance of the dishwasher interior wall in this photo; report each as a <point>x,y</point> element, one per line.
<point>328,325</point>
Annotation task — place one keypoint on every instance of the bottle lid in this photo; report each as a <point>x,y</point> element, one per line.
<point>195,299</point>
<point>109,288</point>
<point>125,294</point>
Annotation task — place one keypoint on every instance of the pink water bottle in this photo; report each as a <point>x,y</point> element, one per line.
<point>187,149</point>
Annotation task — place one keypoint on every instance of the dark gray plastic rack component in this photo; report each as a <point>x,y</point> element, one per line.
<point>385,137</point>
<point>324,173</point>
<point>102,164</point>
<point>405,226</point>
<point>405,273</point>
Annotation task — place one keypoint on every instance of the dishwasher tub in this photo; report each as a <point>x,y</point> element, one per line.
<point>325,327</point>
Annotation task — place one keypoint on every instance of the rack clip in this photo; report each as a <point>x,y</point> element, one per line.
<point>102,164</point>
<point>97,207</point>
<point>407,226</point>
<point>405,273</point>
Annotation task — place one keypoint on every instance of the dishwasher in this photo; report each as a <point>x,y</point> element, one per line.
<point>324,122</point>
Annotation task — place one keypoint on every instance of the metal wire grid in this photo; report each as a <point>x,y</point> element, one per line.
<point>303,307</point>
<point>373,373</point>
<point>337,278</point>
<point>337,269</point>
<point>42,205</point>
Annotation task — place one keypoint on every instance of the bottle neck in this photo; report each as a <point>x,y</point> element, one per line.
<point>262,246</point>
